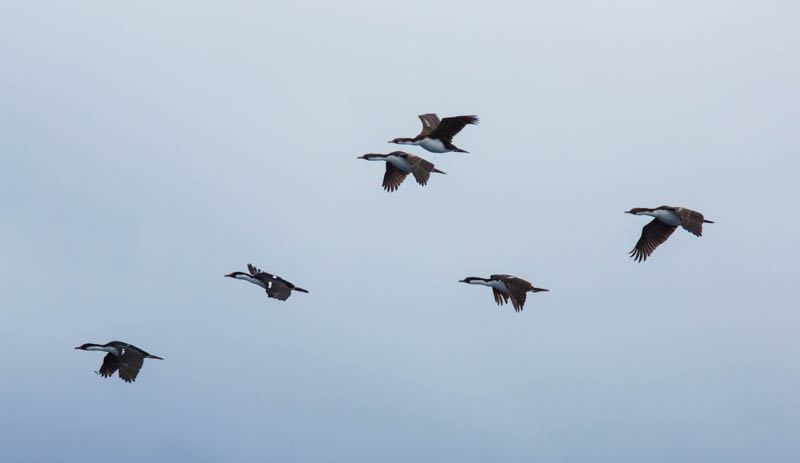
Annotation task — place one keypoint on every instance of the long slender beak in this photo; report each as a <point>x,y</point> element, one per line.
<point>229,275</point>
<point>78,347</point>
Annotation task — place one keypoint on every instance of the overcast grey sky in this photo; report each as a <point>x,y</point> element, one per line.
<point>148,149</point>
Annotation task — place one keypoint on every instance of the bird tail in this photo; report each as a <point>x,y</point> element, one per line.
<point>439,171</point>
<point>459,150</point>
<point>707,221</point>
<point>536,290</point>
<point>153,357</point>
<point>300,289</point>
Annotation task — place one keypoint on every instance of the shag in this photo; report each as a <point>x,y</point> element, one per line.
<point>399,165</point>
<point>667,219</point>
<point>505,287</point>
<point>276,286</point>
<point>437,136</point>
<point>121,356</point>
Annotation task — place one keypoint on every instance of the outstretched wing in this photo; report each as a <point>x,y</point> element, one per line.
<point>393,177</point>
<point>253,269</point>
<point>130,362</point>
<point>691,220</point>
<point>261,275</point>
<point>429,123</point>
<point>109,366</point>
<point>279,290</point>
<point>653,234</point>
<point>518,295</point>
<point>421,168</point>
<point>499,297</point>
<point>450,126</point>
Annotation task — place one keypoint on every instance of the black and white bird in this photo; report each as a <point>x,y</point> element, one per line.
<point>399,165</point>
<point>667,219</point>
<point>437,136</point>
<point>276,286</point>
<point>505,287</point>
<point>121,356</point>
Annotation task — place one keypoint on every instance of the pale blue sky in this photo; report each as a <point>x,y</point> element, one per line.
<point>146,150</point>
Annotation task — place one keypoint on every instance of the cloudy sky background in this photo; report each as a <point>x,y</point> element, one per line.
<point>146,150</point>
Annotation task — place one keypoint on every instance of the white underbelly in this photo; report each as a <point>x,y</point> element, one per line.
<point>499,285</point>
<point>400,163</point>
<point>668,217</point>
<point>434,145</point>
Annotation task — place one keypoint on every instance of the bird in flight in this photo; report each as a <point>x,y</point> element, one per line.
<point>667,219</point>
<point>126,358</point>
<point>437,136</point>
<point>275,286</point>
<point>399,165</point>
<point>505,287</point>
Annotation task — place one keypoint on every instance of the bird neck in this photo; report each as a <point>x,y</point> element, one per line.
<point>245,277</point>
<point>664,215</point>
<point>97,347</point>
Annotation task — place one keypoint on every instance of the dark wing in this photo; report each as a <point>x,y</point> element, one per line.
<point>691,220</point>
<point>279,290</point>
<point>130,362</point>
<point>653,234</point>
<point>420,168</point>
<point>429,124</point>
<point>518,296</point>
<point>260,274</point>
<point>499,297</point>
<point>450,126</point>
<point>281,280</point>
<point>393,177</point>
<point>253,269</point>
<point>515,281</point>
<point>109,366</point>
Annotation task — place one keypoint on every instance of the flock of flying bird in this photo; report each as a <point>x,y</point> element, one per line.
<point>437,137</point>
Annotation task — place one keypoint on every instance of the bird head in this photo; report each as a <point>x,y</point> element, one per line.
<point>373,157</point>
<point>86,346</point>
<point>637,211</point>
